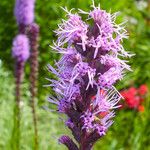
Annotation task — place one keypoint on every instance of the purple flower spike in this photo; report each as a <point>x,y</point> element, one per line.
<point>72,30</point>
<point>89,67</point>
<point>24,11</point>
<point>20,49</point>
<point>68,142</point>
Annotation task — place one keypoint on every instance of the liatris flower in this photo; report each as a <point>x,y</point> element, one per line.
<point>88,69</point>
<point>24,11</point>
<point>134,97</point>
<point>34,42</point>
<point>20,51</point>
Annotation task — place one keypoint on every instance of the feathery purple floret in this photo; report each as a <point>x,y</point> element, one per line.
<point>87,71</point>
<point>21,48</point>
<point>24,11</point>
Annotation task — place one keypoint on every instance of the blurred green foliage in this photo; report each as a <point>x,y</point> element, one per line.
<point>131,129</point>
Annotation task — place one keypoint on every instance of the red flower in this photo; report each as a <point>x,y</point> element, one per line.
<point>102,92</point>
<point>141,108</point>
<point>124,94</point>
<point>93,98</point>
<point>134,97</point>
<point>130,97</point>
<point>133,102</point>
<point>143,89</point>
<point>132,91</point>
<point>103,114</point>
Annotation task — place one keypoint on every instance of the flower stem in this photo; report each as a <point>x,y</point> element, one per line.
<point>17,111</point>
<point>22,28</point>
<point>34,34</point>
<point>85,147</point>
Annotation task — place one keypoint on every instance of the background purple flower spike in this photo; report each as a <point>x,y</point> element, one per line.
<point>21,48</point>
<point>20,52</point>
<point>24,11</point>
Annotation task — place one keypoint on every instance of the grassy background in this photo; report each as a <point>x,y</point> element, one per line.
<point>131,129</point>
